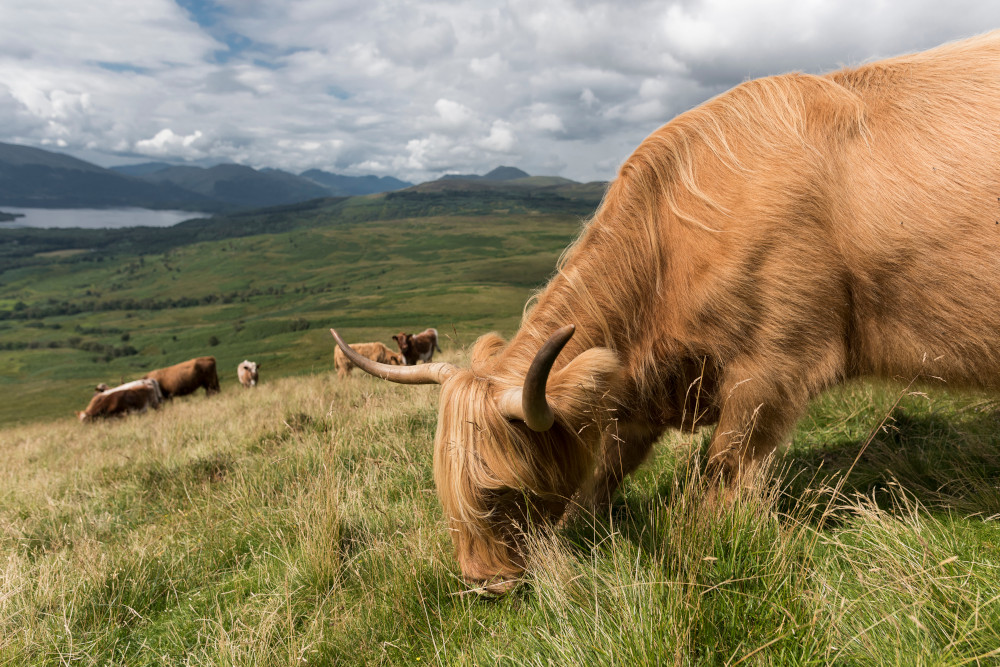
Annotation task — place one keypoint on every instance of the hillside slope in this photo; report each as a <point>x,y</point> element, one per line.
<point>71,317</point>
<point>297,523</point>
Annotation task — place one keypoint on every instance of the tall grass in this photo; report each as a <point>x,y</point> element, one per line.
<point>297,524</point>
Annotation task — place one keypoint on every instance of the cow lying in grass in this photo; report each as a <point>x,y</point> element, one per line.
<point>136,396</point>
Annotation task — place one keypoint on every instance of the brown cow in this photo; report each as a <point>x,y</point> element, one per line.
<point>417,347</point>
<point>377,352</point>
<point>784,236</point>
<point>135,396</point>
<point>247,372</point>
<point>187,377</point>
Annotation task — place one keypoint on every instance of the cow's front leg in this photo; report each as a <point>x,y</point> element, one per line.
<point>755,417</point>
<point>624,447</point>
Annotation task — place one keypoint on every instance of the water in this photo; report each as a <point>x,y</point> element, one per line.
<point>93,218</point>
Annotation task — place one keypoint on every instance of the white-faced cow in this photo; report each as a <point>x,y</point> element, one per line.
<point>376,352</point>
<point>789,234</point>
<point>187,377</point>
<point>247,372</point>
<point>417,347</point>
<point>136,396</point>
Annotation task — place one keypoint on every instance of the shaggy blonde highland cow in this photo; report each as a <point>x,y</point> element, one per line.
<point>787,235</point>
<point>377,352</point>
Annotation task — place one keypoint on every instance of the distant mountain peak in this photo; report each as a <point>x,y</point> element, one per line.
<point>340,185</point>
<point>506,174</point>
<point>498,174</point>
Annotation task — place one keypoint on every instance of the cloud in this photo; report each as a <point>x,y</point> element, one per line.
<point>417,89</point>
<point>167,143</point>
<point>501,138</point>
<point>454,114</point>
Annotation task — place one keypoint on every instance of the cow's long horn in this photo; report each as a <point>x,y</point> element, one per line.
<point>528,403</point>
<point>435,373</point>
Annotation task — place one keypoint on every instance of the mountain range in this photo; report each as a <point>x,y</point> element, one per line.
<point>36,178</point>
<point>32,177</point>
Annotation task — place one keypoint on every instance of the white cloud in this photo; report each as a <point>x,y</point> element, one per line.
<point>454,114</point>
<point>415,89</point>
<point>501,138</point>
<point>489,67</point>
<point>166,142</point>
<point>548,122</point>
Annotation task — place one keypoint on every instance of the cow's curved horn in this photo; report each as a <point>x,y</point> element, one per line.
<point>435,373</point>
<point>528,403</point>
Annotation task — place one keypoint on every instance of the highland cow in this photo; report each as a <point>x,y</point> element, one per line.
<point>376,352</point>
<point>787,235</point>
<point>417,347</point>
<point>187,377</point>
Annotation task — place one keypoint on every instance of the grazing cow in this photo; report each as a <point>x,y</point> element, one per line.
<point>787,235</point>
<point>247,373</point>
<point>417,347</point>
<point>135,396</point>
<point>376,352</point>
<point>187,377</point>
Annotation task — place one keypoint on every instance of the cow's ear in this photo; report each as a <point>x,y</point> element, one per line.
<point>487,346</point>
<point>395,337</point>
<point>579,391</point>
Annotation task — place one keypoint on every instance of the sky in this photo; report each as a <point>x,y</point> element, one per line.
<point>416,89</point>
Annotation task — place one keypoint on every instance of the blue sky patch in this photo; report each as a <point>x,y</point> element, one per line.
<point>122,67</point>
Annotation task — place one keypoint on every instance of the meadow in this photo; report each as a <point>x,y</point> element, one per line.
<point>297,523</point>
<point>86,307</point>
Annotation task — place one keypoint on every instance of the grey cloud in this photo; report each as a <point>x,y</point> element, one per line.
<point>567,87</point>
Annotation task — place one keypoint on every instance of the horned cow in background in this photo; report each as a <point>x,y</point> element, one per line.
<point>187,377</point>
<point>247,373</point>
<point>780,238</point>
<point>417,347</point>
<point>376,352</point>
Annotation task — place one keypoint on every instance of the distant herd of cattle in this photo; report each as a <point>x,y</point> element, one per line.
<point>187,377</point>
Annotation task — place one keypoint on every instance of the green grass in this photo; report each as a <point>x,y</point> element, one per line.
<point>297,524</point>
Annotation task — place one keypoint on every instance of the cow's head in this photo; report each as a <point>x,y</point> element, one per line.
<point>404,341</point>
<point>513,443</point>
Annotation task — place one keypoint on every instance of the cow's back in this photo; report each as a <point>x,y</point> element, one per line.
<point>376,351</point>
<point>187,377</point>
<point>920,230</point>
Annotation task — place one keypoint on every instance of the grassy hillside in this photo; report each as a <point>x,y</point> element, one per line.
<point>297,524</point>
<point>78,315</point>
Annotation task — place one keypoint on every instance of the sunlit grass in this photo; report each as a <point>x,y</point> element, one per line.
<point>297,524</point>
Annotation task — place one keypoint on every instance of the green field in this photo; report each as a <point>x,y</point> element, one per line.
<point>297,523</point>
<point>80,316</point>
